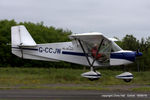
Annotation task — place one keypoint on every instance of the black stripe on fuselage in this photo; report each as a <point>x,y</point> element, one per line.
<point>34,49</point>
<point>73,53</point>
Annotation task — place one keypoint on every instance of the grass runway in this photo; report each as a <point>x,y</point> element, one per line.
<point>53,78</point>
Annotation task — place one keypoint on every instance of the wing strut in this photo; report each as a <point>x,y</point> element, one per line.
<point>86,55</point>
<point>20,47</point>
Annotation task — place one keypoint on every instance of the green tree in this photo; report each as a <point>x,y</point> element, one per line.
<point>40,33</point>
<point>129,42</point>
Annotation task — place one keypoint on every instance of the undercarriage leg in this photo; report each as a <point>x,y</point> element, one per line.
<point>92,74</point>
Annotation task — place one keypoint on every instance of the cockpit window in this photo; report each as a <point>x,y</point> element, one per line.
<point>115,47</point>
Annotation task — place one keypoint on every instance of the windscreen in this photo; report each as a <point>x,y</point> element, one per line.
<point>115,47</point>
<point>99,51</point>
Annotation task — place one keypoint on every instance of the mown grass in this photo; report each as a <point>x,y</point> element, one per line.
<point>66,88</point>
<point>39,77</point>
<point>144,89</point>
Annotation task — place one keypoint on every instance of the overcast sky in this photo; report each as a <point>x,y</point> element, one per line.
<point>111,17</point>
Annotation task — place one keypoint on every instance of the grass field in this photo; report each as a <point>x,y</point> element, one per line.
<point>45,77</point>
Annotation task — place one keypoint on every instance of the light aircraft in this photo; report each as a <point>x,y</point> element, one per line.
<point>89,49</point>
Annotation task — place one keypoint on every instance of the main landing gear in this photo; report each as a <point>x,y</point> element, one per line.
<point>92,75</point>
<point>95,75</point>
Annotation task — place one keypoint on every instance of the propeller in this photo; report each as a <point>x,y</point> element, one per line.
<point>138,53</point>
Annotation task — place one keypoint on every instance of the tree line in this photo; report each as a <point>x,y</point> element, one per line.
<point>45,34</point>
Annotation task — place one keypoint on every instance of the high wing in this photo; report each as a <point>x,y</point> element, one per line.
<point>91,40</point>
<point>96,46</point>
<point>94,37</point>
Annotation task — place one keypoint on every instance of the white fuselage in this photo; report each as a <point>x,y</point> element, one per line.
<point>64,51</point>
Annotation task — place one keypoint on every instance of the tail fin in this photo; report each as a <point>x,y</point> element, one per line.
<point>20,38</point>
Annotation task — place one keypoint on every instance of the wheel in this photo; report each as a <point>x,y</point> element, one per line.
<point>93,79</point>
<point>127,80</point>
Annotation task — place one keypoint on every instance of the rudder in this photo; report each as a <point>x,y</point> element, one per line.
<point>20,37</point>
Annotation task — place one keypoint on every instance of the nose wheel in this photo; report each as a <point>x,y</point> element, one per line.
<point>127,80</point>
<point>126,76</point>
